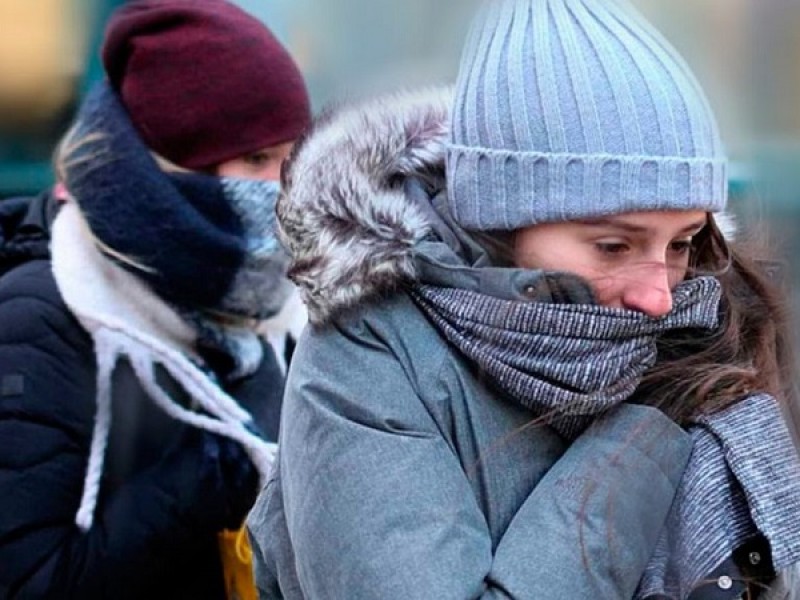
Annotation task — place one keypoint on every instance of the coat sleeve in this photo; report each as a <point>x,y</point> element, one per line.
<point>46,415</point>
<point>378,505</point>
<point>597,514</point>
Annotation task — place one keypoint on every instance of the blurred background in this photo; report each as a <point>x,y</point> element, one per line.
<point>745,53</point>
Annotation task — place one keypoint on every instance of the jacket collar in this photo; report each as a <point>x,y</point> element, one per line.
<point>344,213</point>
<point>25,225</point>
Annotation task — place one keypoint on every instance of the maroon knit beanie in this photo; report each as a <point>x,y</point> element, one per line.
<point>203,81</point>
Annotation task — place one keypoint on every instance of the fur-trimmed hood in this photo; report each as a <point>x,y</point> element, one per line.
<point>344,213</point>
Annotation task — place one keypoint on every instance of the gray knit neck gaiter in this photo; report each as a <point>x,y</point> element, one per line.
<point>565,362</point>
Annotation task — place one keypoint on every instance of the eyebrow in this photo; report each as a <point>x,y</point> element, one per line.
<point>633,228</point>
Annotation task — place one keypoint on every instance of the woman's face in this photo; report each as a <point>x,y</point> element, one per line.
<point>264,164</point>
<point>633,260</point>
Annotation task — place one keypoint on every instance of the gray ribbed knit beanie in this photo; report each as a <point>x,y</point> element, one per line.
<point>575,109</point>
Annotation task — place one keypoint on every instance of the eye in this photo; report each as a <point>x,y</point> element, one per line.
<point>612,248</point>
<point>257,159</point>
<point>681,247</point>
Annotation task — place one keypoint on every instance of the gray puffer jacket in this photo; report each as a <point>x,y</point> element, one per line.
<point>403,474</point>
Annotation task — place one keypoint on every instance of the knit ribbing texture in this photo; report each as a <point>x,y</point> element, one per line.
<point>577,109</point>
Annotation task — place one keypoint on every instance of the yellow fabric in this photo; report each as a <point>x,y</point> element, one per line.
<point>237,565</point>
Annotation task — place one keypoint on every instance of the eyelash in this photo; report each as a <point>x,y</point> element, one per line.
<point>681,247</point>
<point>614,248</point>
<point>258,160</point>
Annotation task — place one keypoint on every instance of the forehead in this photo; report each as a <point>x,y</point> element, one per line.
<point>655,222</point>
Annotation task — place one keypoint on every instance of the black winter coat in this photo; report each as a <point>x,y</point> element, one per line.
<point>143,543</point>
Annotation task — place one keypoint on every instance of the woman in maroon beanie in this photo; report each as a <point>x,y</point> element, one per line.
<point>206,85</point>
<point>138,407</point>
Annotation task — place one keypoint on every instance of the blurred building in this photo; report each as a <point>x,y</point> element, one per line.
<point>46,61</point>
<point>744,52</point>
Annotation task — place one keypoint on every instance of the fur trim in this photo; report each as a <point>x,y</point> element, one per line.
<point>343,213</point>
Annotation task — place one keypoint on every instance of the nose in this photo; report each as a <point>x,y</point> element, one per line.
<point>649,291</point>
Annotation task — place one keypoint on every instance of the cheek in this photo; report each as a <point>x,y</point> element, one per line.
<point>242,170</point>
<point>609,291</point>
<point>612,286</point>
<point>553,253</point>
<point>233,168</point>
<point>678,273</point>
<point>272,172</point>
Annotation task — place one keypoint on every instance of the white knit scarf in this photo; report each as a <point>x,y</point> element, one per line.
<point>126,319</point>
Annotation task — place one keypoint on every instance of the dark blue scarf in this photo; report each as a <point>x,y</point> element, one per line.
<point>205,242</point>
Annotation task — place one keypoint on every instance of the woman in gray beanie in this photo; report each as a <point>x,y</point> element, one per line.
<point>536,369</point>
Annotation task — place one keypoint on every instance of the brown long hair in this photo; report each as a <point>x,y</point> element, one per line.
<point>704,372</point>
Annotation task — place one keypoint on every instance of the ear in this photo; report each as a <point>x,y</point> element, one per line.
<point>726,222</point>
